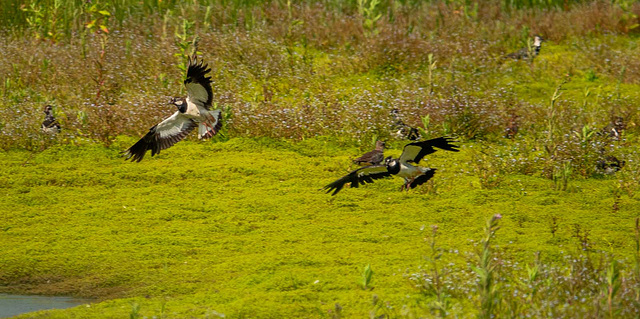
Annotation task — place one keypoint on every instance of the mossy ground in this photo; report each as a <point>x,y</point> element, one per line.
<point>241,228</point>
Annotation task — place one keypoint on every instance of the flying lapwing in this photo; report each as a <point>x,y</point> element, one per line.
<point>372,157</point>
<point>50,125</point>
<point>193,111</point>
<point>401,167</point>
<point>524,53</point>
<point>401,130</point>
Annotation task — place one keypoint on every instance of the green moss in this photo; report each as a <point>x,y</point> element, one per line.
<point>241,227</point>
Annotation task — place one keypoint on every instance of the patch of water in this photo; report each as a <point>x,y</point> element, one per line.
<point>13,305</point>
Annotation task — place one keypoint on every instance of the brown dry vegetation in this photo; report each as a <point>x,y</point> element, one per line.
<point>309,69</point>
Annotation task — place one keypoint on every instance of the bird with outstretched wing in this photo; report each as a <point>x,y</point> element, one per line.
<point>401,167</point>
<point>359,177</point>
<point>195,110</point>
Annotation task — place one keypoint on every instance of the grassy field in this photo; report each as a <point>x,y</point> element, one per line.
<point>524,225</point>
<point>241,228</point>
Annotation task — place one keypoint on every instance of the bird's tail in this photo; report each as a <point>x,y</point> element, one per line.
<point>211,126</point>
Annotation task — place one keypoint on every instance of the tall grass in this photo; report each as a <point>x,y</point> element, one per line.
<point>597,285</point>
<point>301,69</point>
<point>486,271</point>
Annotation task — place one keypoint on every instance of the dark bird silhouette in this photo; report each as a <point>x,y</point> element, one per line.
<point>610,164</point>
<point>372,157</point>
<point>413,175</point>
<point>525,53</point>
<point>50,125</point>
<point>401,130</point>
<point>193,111</point>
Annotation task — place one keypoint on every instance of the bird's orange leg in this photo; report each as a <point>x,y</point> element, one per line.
<point>409,184</point>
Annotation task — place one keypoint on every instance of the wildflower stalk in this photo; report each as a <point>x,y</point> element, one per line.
<point>636,269</point>
<point>486,271</point>
<point>551,146</point>
<point>432,67</point>
<point>436,287</point>
<point>367,276</point>
<point>533,274</point>
<point>369,13</point>
<point>613,279</point>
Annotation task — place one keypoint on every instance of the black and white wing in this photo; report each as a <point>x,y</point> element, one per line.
<point>359,177</point>
<point>426,176</point>
<point>520,54</point>
<point>414,152</point>
<point>161,136</point>
<point>198,84</point>
<point>413,134</point>
<point>50,125</point>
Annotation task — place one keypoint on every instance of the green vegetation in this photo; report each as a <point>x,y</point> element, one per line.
<point>244,230</point>
<point>238,227</point>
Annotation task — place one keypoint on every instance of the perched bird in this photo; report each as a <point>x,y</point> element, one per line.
<point>401,130</point>
<point>525,52</point>
<point>615,128</point>
<point>193,111</point>
<point>402,167</point>
<point>609,164</point>
<point>372,157</point>
<point>513,126</point>
<point>50,125</point>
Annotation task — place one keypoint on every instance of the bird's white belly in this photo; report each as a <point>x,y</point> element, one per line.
<point>193,110</point>
<point>50,130</point>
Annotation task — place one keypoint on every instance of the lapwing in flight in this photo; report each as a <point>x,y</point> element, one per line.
<point>372,157</point>
<point>193,111</point>
<point>402,167</point>
<point>524,52</point>
<point>50,125</point>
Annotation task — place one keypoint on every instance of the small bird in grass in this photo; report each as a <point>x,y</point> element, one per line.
<point>372,157</point>
<point>609,164</point>
<point>401,167</point>
<point>525,53</point>
<point>402,130</point>
<point>513,126</point>
<point>50,125</point>
<point>193,111</point>
<point>615,128</point>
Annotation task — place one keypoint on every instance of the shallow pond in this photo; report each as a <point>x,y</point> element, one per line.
<point>13,305</point>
